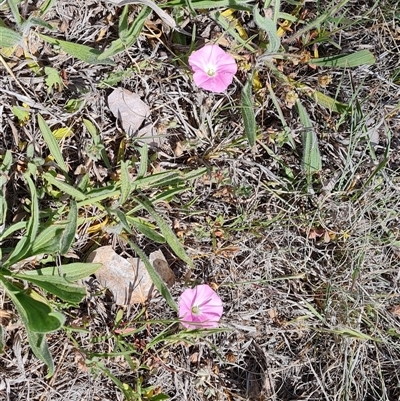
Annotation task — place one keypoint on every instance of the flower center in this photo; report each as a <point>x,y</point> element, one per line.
<point>195,310</point>
<point>211,71</point>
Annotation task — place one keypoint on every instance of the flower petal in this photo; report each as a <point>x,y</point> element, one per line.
<point>212,57</point>
<point>208,302</point>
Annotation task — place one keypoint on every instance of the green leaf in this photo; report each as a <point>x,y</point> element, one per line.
<point>13,4</point>
<point>127,36</point>
<point>149,230</point>
<point>155,277</point>
<point>52,143</point>
<point>226,25</point>
<point>22,113</point>
<point>311,162</point>
<point>19,252</point>
<point>248,115</point>
<point>81,52</point>
<point>33,223</point>
<point>34,21</point>
<point>125,183</point>
<point>56,285</point>
<point>36,315</point>
<point>48,240</point>
<point>46,6</point>
<point>156,180</point>
<point>144,227</point>
<point>167,232</point>
<point>9,38</point>
<point>327,102</point>
<point>53,79</point>
<point>269,26</point>
<point>38,344</point>
<point>64,187</point>
<point>68,235</point>
<point>70,272</point>
<point>24,244</point>
<point>144,158</point>
<point>206,4</point>
<point>362,57</point>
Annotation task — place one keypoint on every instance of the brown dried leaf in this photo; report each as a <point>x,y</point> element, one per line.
<point>160,264</point>
<point>129,109</point>
<point>128,280</point>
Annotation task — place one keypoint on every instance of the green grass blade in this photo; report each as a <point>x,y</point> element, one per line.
<point>51,142</point>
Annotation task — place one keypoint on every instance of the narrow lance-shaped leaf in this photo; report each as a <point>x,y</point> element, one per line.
<point>63,186</point>
<point>38,344</point>
<point>48,240</point>
<point>206,4</point>
<point>23,246</point>
<point>69,232</point>
<point>167,232</point>
<point>248,115</point>
<point>311,156</point>
<point>71,271</point>
<point>269,26</point>
<point>81,52</point>
<point>52,143</point>
<point>125,183</point>
<point>155,277</point>
<point>128,36</point>
<point>57,286</point>
<point>362,57</point>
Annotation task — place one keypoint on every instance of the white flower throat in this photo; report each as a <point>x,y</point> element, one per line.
<point>195,310</point>
<point>211,71</point>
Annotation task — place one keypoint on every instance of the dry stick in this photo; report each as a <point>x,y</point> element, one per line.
<point>12,74</point>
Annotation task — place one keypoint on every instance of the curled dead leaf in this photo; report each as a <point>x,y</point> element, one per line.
<point>128,280</point>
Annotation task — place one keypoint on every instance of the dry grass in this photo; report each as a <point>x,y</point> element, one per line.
<point>309,279</point>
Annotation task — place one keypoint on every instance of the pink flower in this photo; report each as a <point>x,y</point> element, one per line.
<point>213,68</point>
<point>200,307</point>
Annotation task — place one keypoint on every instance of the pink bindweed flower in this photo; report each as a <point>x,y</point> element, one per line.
<point>200,307</point>
<point>213,68</point>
